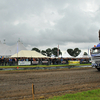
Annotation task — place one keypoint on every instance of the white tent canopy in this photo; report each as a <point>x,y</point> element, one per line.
<point>66,55</point>
<point>28,54</point>
<point>86,56</point>
<point>81,55</point>
<point>7,51</point>
<point>53,56</point>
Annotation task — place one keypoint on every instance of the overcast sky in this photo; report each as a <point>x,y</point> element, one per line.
<point>47,23</point>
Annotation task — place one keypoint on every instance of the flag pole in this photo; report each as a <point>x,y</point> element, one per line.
<point>17,55</point>
<point>58,51</point>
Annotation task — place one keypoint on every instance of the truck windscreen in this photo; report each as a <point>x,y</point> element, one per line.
<point>95,50</point>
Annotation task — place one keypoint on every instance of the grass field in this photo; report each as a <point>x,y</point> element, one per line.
<point>42,65</point>
<point>86,95</point>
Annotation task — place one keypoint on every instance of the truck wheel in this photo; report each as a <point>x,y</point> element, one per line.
<point>98,69</point>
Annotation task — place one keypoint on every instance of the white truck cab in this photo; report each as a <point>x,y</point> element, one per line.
<point>95,56</point>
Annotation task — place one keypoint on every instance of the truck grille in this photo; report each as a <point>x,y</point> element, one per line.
<point>96,58</point>
<point>97,62</point>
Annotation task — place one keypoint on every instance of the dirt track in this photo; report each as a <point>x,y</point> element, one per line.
<point>18,85</point>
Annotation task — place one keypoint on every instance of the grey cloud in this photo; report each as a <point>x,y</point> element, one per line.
<point>48,22</point>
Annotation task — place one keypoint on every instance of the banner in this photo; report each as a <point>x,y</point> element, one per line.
<point>73,62</point>
<point>35,62</point>
<point>24,62</point>
<point>44,61</point>
<point>63,62</point>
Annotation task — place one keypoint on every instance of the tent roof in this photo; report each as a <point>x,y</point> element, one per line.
<point>27,53</point>
<point>81,55</point>
<point>7,51</point>
<point>66,55</point>
<point>53,56</point>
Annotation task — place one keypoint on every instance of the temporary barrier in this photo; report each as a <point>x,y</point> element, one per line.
<point>73,62</point>
<point>44,61</point>
<point>63,62</point>
<point>35,62</point>
<point>24,62</point>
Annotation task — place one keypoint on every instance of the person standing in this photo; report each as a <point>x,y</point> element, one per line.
<point>10,61</point>
<point>2,61</point>
<point>13,62</point>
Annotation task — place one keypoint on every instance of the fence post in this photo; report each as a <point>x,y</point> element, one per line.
<point>33,91</point>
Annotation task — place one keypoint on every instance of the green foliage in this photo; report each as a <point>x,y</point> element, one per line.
<point>55,51</point>
<point>36,49</point>
<point>48,52</point>
<point>85,53</point>
<point>74,52</point>
<point>86,95</point>
<point>40,66</point>
<point>43,52</point>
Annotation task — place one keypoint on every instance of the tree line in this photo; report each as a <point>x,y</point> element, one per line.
<point>54,51</point>
<point>48,52</point>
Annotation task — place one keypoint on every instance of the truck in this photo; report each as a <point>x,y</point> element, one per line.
<point>95,55</point>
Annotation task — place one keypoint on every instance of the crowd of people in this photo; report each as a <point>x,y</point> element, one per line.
<point>40,61</point>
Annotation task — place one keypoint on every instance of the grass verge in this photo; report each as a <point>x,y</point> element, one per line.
<point>42,66</point>
<point>86,95</point>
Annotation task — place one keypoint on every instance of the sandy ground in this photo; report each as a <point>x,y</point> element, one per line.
<point>17,85</point>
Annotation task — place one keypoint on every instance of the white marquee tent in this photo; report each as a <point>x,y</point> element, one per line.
<point>81,55</point>
<point>7,51</point>
<point>66,55</point>
<point>28,54</point>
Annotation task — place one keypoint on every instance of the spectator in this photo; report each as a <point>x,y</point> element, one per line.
<point>26,59</point>
<point>10,61</point>
<point>13,61</point>
<point>2,61</point>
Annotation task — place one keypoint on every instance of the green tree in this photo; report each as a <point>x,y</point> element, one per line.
<point>74,52</point>
<point>36,49</point>
<point>48,52</point>
<point>70,52</point>
<point>43,52</point>
<point>55,50</point>
<point>85,53</point>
